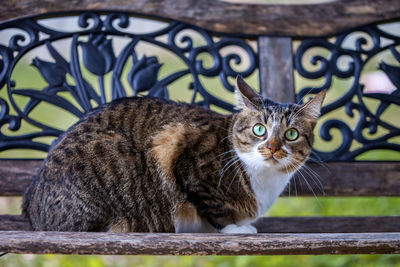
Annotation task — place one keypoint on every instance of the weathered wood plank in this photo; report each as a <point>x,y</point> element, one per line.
<point>348,179</point>
<point>337,224</point>
<point>197,244</point>
<point>337,178</point>
<point>237,18</point>
<point>16,175</point>
<point>276,68</point>
<point>14,223</point>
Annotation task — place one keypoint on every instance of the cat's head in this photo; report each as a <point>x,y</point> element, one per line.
<point>270,134</point>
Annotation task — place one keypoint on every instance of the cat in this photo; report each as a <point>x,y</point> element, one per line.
<point>145,164</point>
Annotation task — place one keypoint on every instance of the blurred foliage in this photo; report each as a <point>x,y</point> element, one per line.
<point>199,261</point>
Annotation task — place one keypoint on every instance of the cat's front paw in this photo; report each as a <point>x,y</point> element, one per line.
<point>235,229</point>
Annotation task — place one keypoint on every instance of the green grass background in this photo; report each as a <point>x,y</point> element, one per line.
<point>28,77</point>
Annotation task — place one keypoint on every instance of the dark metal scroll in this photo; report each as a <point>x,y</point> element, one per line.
<point>360,47</point>
<point>92,48</point>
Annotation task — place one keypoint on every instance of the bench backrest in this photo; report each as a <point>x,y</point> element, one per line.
<point>317,48</point>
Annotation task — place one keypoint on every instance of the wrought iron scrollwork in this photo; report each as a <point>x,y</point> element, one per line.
<point>359,46</point>
<point>92,48</point>
<point>91,51</point>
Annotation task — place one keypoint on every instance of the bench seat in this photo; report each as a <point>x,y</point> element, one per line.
<point>198,244</point>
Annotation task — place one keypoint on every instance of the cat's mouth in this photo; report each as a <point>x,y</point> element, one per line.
<point>272,160</point>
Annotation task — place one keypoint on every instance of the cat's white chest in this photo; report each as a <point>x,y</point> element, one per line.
<point>267,185</point>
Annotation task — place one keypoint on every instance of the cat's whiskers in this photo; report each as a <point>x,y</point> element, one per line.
<point>317,157</point>
<point>298,169</point>
<point>237,169</point>
<point>227,158</point>
<point>313,175</point>
<point>262,101</point>
<point>310,187</point>
<point>223,128</point>
<point>229,135</point>
<point>301,107</point>
<point>298,103</point>
<point>229,164</point>
<point>293,115</point>
<point>284,161</point>
<point>224,153</point>
<point>295,185</point>
<point>240,177</point>
<point>319,160</point>
<point>314,178</point>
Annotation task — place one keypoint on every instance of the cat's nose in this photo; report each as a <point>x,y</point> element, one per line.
<point>273,149</point>
<point>273,144</point>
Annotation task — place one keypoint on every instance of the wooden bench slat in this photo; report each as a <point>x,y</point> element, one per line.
<point>339,224</point>
<point>238,18</point>
<point>197,244</point>
<point>14,223</point>
<point>337,178</point>
<point>331,224</point>
<point>16,175</point>
<point>350,179</point>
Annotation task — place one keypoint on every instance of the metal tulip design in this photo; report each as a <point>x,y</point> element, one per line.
<point>53,74</point>
<point>144,73</point>
<point>99,58</point>
<point>98,54</point>
<point>68,72</point>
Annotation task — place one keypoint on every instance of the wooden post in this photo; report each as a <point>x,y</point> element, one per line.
<point>276,68</point>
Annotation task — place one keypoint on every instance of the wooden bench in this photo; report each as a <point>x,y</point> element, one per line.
<point>274,28</point>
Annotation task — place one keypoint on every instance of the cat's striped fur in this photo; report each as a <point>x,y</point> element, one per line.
<point>151,165</point>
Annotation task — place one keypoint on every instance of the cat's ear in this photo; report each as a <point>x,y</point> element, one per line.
<point>312,108</point>
<point>246,96</point>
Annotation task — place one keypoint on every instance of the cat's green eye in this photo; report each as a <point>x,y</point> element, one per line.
<point>291,134</point>
<point>259,129</point>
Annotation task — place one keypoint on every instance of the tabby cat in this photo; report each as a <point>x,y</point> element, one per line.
<point>144,164</point>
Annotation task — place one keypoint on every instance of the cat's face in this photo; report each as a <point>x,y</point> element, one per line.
<point>269,134</point>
